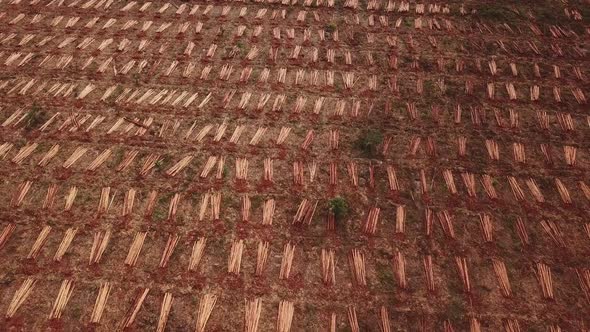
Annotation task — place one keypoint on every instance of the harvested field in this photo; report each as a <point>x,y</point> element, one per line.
<point>312,165</point>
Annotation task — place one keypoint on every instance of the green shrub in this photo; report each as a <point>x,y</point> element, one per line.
<point>338,206</point>
<point>368,143</point>
<point>35,118</point>
<point>331,27</point>
<point>495,13</point>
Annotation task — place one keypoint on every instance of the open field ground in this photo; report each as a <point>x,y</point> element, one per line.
<point>295,165</point>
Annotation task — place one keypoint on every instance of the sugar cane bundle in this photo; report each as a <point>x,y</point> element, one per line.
<point>308,140</point>
<point>168,249</point>
<point>474,325</point>
<point>313,166</point>
<point>6,233</point>
<point>429,272</point>
<point>235,257</point>
<point>585,189</point>
<point>357,267</point>
<point>486,227</point>
<point>372,220</point>
<point>48,156</point>
<point>150,203</point>
<point>469,182</point>
<point>128,202</point>
<point>283,134</point>
<point>208,166</point>
<point>516,189</point>
<point>535,191</point>
<point>197,253</point>
<point>565,121</point>
<point>384,322</point>
<point>179,166</point>
<point>99,245</point>
<point>563,192</point>
<point>463,273</point>
<point>127,160</point>
<point>164,311</point>
<point>215,205</point>
<point>352,172</point>
<point>150,161</point>
<point>104,203</point>
<point>287,261</point>
<point>570,155</point>
<point>400,219</point>
<point>65,243</point>
<point>252,311</point>
<point>543,273</point>
<point>543,119</point>
<point>21,193</point>
<point>5,148</point>
<point>511,325</point>
<point>424,189</point>
<point>399,269</point>
<point>220,168</point>
<point>546,150</point>
<point>414,145</point>
<point>477,116</point>
<point>24,152</point>
<point>261,257</point>
<point>134,309</point>
<point>333,171</point>
<point>20,296</point>
<point>328,267</point>
<point>502,277</point>
<point>584,280</point>
<point>352,319</point>
<point>285,316</point>
<point>245,208</point>
<point>446,222</point>
<point>519,152</point>
<point>77,154</point>
<point>392,179</point>
<point>522,232</point>
<point>554,231</point>
<point>39,242</point>
<point>206,306</point>
<point>428,221</point>
<point>448,326</point>
<point>449,181</point>
<point>493,150</point>
<point>514,119</point>
<point>99,160</point>
<point>298,173</point>
<point>241,169</point>
<point>101,301</point>
<point>173,206</point>
<point>305,212</point>
<point>63,296</point>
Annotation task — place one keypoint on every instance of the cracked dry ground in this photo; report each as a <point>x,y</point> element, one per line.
<point>314,165</point>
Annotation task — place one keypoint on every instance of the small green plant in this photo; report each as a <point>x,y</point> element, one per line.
<point>497,13</point>
<point>35,118</point>
<point>136,79</point>
<point>368,143</point>
<point>456,309</point>
<point>339,207</point>
<point>429,88</point>
<point>161,163</point>
<point>330,27</point>
<point>256,202</point>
